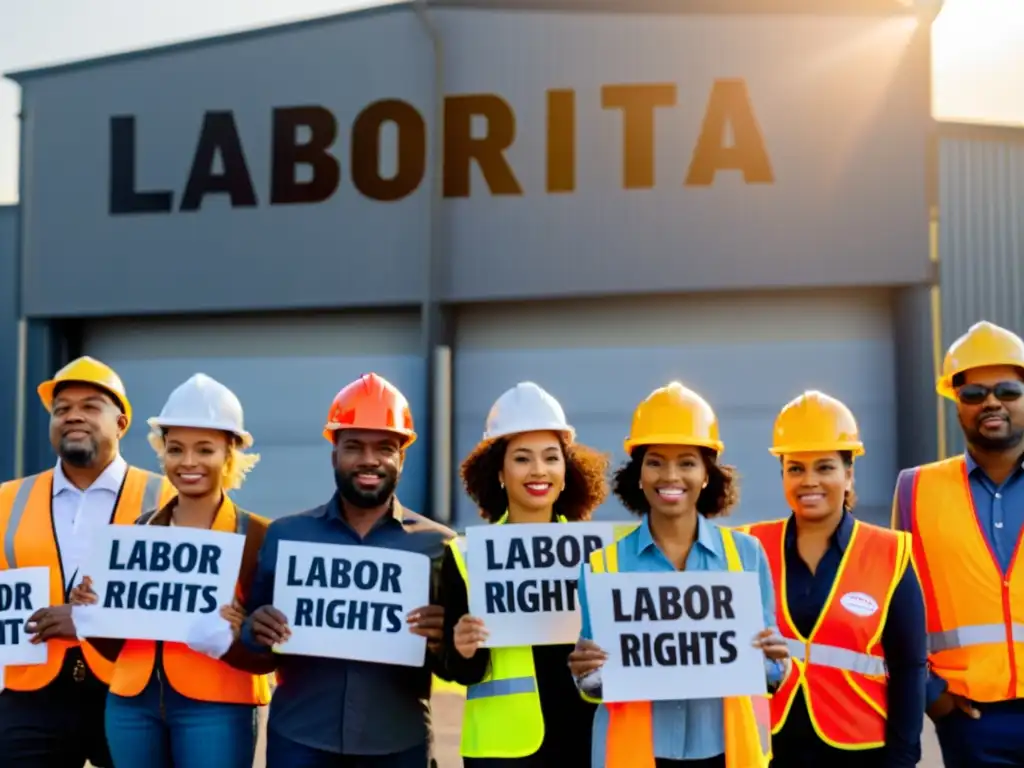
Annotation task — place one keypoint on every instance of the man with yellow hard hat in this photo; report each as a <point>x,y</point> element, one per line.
<point>52,714</point>
<point>966,514</point>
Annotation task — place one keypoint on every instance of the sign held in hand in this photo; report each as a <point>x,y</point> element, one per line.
<point>153,582</point>
<point>23,591</point>
<point>350,602</point>
<point>677,635</point>
<point>523,578</point>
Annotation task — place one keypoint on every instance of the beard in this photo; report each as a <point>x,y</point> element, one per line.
<point>991,443</point>
<point>365,499</point>
<point>81,454</point>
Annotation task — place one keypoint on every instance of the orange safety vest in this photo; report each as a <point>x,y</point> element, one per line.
<point>975,613</point>
<point>192,674</point>
<point>29,540</point>
<point>840,667</point>
<point>630,736</point>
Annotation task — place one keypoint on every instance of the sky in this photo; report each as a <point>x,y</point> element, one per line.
<point>978,58</point>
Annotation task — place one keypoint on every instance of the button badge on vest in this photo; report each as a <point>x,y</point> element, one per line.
<point>78,674</point>
<point>859,604</point>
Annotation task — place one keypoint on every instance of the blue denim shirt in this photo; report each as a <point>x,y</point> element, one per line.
<point>335,705</point>
<point>693,729</point>
<point>1000,511</point>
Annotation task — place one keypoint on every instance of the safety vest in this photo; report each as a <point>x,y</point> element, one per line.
<point>508,693</point>
<point>840,667</point>
<point>630,735</point>
<point>975,613</point>
<point>194,675</point>
<point>29,540</point>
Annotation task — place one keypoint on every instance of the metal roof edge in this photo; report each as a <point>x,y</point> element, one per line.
<point>981,131</point>
<point>19,76</point>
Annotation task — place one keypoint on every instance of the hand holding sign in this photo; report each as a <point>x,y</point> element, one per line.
<point>270,626</point>
<point>428,622</point>
<point>586,657</point>
<point>83,594</point>
<point>49,623</point>
<point>470,635</point>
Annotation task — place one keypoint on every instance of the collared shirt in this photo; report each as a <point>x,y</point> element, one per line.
<point>904,643</point>
<point>1000,513</point>
<point>78,514</point>
<point>693,729</point>
<point>335,705</point>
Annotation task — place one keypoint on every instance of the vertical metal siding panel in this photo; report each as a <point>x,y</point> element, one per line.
<point>981,247</point>
<point>8,336</point>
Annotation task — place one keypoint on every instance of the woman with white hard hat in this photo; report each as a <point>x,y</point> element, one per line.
<point>849,605</point>
<point>674,480</point>
<point>192,705</point>
<point>527,469</point>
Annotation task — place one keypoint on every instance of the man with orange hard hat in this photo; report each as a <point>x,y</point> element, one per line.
<point>335,712</point>
<point>52,714</point>
<point>966,514</point>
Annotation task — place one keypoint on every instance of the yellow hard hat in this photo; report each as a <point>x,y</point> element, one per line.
<point>815,422</point>
<point>674,415</point>
<point>983,345</point>
<point>87,370</point>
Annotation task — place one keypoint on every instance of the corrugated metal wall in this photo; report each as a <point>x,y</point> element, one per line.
<point>981,234</point>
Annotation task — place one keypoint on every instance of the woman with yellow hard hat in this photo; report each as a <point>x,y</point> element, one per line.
<point>192,705</point>
<point>522,708</point>
<point>673,479</point>
<point>849,605</point>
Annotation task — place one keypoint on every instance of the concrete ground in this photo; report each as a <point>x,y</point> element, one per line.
<point>447,708</point>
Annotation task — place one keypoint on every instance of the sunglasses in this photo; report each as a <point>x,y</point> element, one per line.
<point>976,394</point>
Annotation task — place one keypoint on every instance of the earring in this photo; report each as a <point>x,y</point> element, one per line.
<point>640,485</point>
<point>705,485</point>
<point>502,484</point>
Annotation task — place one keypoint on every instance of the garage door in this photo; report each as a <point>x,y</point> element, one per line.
<point>747,354</point>
<point>285,370</point>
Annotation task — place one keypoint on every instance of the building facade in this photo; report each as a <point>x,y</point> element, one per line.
<point>743,202</point>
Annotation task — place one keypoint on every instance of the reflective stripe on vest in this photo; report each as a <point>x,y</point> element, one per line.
<point>839,669</point>
<point>630,734</point>
<point>192,674</point>
<point>26,520</point>
<point>975,612</point>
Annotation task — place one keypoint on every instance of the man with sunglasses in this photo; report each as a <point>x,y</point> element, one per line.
<point>966,514</point>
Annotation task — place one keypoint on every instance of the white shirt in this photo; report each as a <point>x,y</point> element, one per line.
<point>78,514</point>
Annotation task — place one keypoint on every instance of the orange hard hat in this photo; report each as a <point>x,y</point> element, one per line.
<point>674,415</point>
<point>371,402</point>
<point>87,370</point>
<point>983,345</point>
<point>815,422</point>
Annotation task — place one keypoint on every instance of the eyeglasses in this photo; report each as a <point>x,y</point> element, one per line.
<point>976,394</point>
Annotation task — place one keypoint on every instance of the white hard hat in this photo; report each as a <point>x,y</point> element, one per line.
<point>526,408</point>
<point>204,403</point>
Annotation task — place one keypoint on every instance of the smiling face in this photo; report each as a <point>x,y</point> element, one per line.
<point>672,478</point>
<point>991,409</point>
<point>533,470</point>
<point>367,465</point>
<point>85,425</point>
<point>816,483</point>
<point>196,460</point>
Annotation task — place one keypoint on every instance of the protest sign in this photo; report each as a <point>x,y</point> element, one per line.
<point>153,582</point>
<point>677,635</point>
<point>522,578</point>
<point>350,602</point>
<point>23,591</point>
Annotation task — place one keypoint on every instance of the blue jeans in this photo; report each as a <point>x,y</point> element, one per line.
<point>996,738</point>
<point>171,731</point>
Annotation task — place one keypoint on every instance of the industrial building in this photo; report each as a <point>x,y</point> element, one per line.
<point>748,196</point>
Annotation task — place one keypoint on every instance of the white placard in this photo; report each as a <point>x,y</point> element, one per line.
<point>523,578</point>
<point>23,591</point>
<point>672,636</point>
<point>351,602</point>
<point>153,582</point>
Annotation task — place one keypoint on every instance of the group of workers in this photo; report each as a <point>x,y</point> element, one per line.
<point>866,628</point>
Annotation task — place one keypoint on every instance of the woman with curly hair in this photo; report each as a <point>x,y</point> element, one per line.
<point>848,594</point>
<point>527,469</point>
<point>674,481</point>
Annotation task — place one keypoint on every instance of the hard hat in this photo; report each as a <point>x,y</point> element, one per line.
<point>87,370</point>
<point>983,345</point>
<point>674,415</point>
<point>371,402</point>
<point>526,408</point>
<point>204,403</point>
<point>815,422</point>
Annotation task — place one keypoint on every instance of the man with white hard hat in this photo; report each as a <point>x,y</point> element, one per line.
<point>52,714</point>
